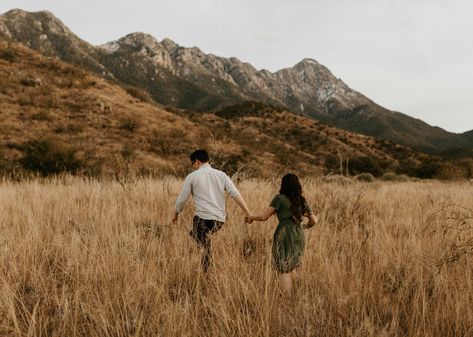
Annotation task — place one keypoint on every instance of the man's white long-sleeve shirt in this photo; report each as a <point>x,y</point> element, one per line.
<point>207,186</point>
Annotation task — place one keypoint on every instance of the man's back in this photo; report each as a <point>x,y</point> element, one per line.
<point>208,187</point>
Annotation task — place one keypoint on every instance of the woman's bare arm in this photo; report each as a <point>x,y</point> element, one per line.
<point>262,217</point>
<point>313,220</point>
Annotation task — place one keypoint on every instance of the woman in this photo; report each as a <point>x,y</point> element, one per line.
<point>288,242</point>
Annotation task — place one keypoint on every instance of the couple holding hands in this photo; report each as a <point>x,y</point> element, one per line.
<point>208,185</point>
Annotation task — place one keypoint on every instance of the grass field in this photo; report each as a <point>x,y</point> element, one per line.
<point>94,258</point>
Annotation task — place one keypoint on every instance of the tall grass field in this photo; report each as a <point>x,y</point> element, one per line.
<point>82,257</point>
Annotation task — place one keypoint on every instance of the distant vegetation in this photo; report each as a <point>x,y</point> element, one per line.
<point>49,157</point>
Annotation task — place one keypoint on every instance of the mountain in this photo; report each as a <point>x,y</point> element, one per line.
<point>468,136</point>
<point>56,116</point>
<point>460,152</point>
<point>140,60</point>
<point>188,78</point>
<point>308,88</point>
<point>43,32</point>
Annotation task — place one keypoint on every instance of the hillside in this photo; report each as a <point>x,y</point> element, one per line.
<point>189,79</point>
<point>468,135</point>
<point>57,111</point>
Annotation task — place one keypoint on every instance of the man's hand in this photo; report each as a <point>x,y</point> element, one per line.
<point>174,218</point>
<point>248,219</point>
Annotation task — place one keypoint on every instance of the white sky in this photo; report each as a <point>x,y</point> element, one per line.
<point>412,56</point>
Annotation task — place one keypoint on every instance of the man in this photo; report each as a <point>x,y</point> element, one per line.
<point>207,186</point>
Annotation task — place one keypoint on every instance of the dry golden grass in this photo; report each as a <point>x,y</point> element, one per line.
<point>91,258</point>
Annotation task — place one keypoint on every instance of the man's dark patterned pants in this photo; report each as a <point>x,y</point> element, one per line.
<point>201,231</point>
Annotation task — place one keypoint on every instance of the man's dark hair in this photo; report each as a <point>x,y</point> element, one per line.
<point>200,155</point>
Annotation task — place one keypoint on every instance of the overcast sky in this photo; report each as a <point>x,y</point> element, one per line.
<point>412,56</point>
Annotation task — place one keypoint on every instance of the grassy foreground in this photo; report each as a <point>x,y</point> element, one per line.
<point>90,258</point>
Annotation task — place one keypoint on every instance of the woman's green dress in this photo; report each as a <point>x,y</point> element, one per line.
<point>288,241</point>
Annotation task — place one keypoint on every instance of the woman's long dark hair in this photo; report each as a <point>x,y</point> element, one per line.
<point>292,189</point>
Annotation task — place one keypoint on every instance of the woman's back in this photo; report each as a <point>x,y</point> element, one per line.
<point>282,205</point>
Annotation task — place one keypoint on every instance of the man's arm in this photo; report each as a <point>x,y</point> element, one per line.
<point>182,198</point>
<point>241,202</point>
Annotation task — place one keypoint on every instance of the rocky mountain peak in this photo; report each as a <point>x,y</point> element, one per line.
<point>169,44</point>
<point>44,32</point>
<point>19,17</point>
<point>137,43</point>
<point>308,62</point>
<point>32,28</point>
<point>16,12</point>
<point>311,66</point>
<point>139,39</point>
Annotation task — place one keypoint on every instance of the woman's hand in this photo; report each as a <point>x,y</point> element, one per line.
<point>312,221</point>
<point>249,219</point>
<point>309,225</point>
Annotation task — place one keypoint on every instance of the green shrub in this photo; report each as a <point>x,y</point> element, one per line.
<point>389,176</point>
<point>3,162</point>
<point>359,165</point>
<point>25,101</point>
<point>127,152</point>
<point>365,177</point>
<point>394,177</point>
<point>138,93</point>
<point>130,124</point>
<point>332,164</point>
<point>407,167</point>
<point>48,157</point>
<point>30,82</point>
<point>8,55</point>
<point>42,116</point>
<point>429,168</point>
<point>403,178</point>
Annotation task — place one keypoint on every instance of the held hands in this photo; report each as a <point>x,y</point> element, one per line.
<point>248,219</point>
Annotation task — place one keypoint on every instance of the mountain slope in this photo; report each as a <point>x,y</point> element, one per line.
<point>468,136</point>
<point>48,105</point>
<point>190,79</point>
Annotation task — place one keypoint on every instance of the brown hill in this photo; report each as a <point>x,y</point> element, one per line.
<point>45,99</point>
<point>62,117</point>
